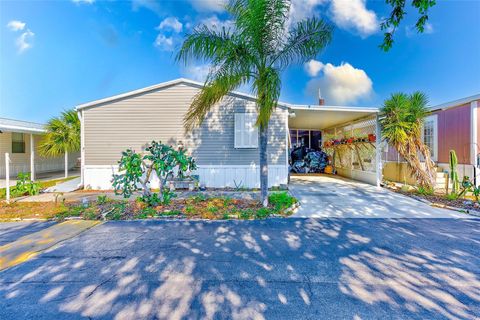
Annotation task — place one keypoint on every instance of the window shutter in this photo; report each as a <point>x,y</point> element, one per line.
<point>246,133</point>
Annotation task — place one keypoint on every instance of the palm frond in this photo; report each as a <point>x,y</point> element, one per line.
<point>63,135</point>
<point>305,41</point>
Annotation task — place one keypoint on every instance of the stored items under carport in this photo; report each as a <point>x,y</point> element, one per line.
<point>305,160</point>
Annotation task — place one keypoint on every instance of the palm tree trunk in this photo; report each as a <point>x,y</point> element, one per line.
<point>66,164</point>
<point>263,131</point>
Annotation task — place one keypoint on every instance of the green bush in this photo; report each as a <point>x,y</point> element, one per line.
<point>102,199</point>
<point>425,191</point>
<point>263,213</point>
<point>281,200</point>
<point>25,186</point>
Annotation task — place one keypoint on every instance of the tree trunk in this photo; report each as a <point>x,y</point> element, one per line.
<point>263,131</point>
<point>66,164</point>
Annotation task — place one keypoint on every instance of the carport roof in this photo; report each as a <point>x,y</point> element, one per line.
<point>11,125</point>
<point>323,117</point>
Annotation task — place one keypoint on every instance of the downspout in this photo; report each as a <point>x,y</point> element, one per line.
<point>474,149</point>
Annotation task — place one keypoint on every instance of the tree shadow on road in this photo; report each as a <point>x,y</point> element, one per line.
<point>271,269</point>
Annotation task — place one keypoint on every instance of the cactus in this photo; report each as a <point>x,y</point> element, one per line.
<point>453,161</point>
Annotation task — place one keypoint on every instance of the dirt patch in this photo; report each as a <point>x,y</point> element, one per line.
<point>31,210</point>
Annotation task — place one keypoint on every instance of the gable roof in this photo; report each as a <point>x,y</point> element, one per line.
<point>11,125</point>
<point>167,84</point>
<point>455,103</point>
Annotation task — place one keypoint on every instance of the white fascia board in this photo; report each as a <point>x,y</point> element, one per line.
<point>11,128</point>
<point>335,108</point>
<point>455,103</point>
<point>159,86</point>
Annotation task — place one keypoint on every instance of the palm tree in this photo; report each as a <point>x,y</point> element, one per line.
<point>402,118</point>
<point>254,52</point>
<point>62,137</point>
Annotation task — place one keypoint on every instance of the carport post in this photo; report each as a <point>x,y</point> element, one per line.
<point>378,150</point>
<point>7,176</point>
<point>32,157</point>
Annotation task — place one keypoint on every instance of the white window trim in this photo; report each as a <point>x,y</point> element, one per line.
<point>236,133</point>
<point>433,118</point>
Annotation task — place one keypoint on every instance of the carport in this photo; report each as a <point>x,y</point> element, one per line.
<point>349,135</point>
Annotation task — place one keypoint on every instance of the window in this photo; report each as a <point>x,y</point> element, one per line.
<point>309,138</point>
<point>429,135</point>
<point>246,133</point>
<point>18,142</point>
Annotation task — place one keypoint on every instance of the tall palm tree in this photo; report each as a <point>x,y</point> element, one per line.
<point>62,137</point>
<point>402,118</point>
<point>254,52</point>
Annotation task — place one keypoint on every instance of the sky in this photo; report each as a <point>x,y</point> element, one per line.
<point>55,55</point>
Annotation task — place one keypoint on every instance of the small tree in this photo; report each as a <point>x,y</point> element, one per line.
<point>402,118</point>
<point>62,137</point>
<point>137,169</point>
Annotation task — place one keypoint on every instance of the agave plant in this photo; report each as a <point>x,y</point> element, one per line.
<point>62,137</point>
<point>402,118</point>
<point>254,52</point>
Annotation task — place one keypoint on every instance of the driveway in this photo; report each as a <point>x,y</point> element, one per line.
<point>270,269</point>
<point>332,196</point>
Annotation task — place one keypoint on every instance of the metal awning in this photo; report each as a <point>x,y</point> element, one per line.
<point>323,117</point>
<point>10,125</point>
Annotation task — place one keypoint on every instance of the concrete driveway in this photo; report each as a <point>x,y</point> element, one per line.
<point>334,197</point>
<point>271,269</point>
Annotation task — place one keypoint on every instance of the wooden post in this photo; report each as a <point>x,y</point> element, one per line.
<point>32,157</point>
<point>7,176</point>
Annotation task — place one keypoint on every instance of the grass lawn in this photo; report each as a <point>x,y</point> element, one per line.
<point>43,185</point>
<point>31,210</point>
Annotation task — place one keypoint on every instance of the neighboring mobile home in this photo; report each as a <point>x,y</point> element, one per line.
<point>20,139</point>
<point>225,146</point>
<point>450,126</point>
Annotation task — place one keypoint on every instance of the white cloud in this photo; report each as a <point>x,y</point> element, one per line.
<point>214,23</point>
<point>164,43</point>
<point>341,84</point>
<point>411,31</point>
<point>171,23</point>
<point>209,5</point>
<point>23,41</point>
<point>313,67</point>
<point>151,5</point>
<point>301,9</point>
<point>197,72</point>
<point>16,25</point>
<point>350,14</point>
<point>84,1</point>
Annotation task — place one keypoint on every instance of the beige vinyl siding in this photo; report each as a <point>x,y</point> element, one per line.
<point>158,115</point>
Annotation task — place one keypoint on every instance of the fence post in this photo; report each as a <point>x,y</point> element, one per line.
<point>7,176</point>
<point>378,151</point>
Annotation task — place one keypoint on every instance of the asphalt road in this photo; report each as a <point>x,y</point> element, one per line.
<point>272,269</point>
<point>11,231</point>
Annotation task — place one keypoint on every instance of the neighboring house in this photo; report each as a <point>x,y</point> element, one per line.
<point>20,140</point>
<point>225,146</point>
<point>450,126</point>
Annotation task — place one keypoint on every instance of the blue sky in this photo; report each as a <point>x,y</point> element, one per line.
<point>57,54</point>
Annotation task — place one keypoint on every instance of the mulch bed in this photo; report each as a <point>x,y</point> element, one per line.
<point>440,200</point>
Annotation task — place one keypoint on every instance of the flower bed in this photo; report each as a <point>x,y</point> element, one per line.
<point>195,207</point>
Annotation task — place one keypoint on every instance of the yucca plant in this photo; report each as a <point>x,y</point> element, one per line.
<point>402,118</point>
<point>62,137</point>
<point>254,52</point>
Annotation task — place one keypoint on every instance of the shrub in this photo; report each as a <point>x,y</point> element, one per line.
<point>263,213</point>
<point>25,186</point>
<point>137,169</point>
<point>281,200</point>
<point>451,196</point>
<point>425,191</point>
<point>102,199</point>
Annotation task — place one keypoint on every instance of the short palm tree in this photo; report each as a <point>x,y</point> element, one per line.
<point>254,52</point>
<point>402,118</point>
<point>62,137</point>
